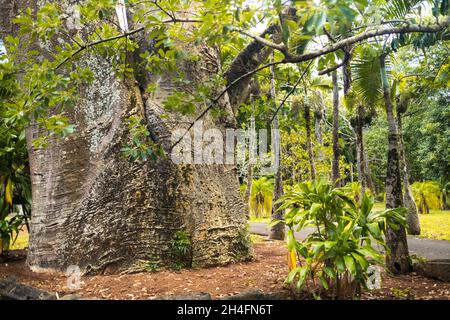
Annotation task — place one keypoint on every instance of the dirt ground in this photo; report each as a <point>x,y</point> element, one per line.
<point>267,273</point>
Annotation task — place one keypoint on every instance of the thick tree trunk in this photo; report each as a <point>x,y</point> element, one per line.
<point>277,231</point>
<point>307,116</point>
<point>95,209</point>
<point>397,260</point>
<point>408,199</point>
<point>335,175</point>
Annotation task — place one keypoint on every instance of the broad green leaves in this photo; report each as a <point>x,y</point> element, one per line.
<point>340,247</point>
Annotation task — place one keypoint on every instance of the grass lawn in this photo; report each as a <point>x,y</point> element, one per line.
<point>435,225</point>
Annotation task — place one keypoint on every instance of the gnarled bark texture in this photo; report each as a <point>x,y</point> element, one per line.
<point>95,209</point>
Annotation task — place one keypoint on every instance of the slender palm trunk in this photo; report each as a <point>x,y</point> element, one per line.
<point>360,150</point>
<point>408,199</point>
<point>250,164</point>
<point>318,132</point>
<point>397,260</point>
<point>277,231</point>
<point>335,164</point>
<point>307,115</point>
<point>369,179</point>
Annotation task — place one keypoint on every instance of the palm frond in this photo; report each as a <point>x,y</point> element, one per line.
<point>398,9</point>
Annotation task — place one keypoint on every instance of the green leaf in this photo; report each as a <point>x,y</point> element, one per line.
<point>350,264</point>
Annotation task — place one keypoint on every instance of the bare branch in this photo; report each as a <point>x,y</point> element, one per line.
<point>331,69</point>
<point>292,90</point>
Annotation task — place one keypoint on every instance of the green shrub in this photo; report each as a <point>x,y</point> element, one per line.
<point>336,257</point>
<point>428,195</point>
<point>180,248</point>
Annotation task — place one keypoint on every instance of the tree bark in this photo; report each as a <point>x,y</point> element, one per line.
<point>247,60</point>
<point>95,209</point>
<point>397,259</point>
<point>335,175</point>
<point>408,199</point>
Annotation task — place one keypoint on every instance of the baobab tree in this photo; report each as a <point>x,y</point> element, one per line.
<point>93,207</point>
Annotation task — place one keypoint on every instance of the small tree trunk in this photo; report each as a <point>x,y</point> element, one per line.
<point>250,164</point>
<point>351,172</point>
<point>360,150</point>
<point>318,132</point>
<point>277,231</point>
<point>307,115</point>
<point>397,260</point>
<point>408,199</point>
<point>335,164</point>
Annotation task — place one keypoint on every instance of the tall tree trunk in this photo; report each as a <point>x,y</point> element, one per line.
<point>318,132</point>
<point>250,164</point>
<point>307,116</point>
<point>408,199</point>
<point>277,231</point>
<point>95,209</point>
<point>369,180</point>
<point>397,260</point>
<point>360,149</point>
<point>335,175</point>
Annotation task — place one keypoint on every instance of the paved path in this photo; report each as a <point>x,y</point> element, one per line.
<point>428,248</point>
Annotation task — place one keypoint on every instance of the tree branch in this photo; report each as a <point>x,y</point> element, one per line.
<point>277,46</point>
<point>331,69</point>
<point>292,90</point>
<point>367,35</point>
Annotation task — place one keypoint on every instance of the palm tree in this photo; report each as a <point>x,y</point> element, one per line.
<point>398,260</point>
<point>428,195</point>
<point>372,88</point>
<point>261,197</point>
<point>402,101</point>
